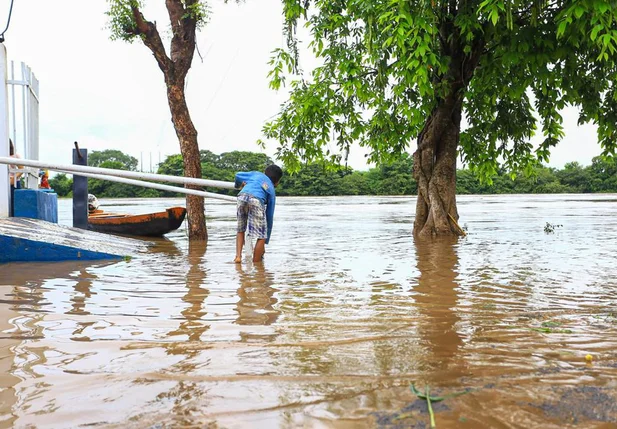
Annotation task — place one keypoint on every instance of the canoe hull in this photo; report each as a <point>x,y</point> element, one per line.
<point>147,225</point>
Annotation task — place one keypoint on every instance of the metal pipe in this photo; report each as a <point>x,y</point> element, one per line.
<point>120,173</point>
<point>5,195</point>
<point>153,185</point>
<point>24,102</point>
<point>13,104</point>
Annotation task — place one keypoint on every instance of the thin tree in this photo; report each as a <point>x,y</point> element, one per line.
<point>128,23</point>
<point>395,71</point>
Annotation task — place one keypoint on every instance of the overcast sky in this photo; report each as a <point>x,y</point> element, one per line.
<point>111,95</point>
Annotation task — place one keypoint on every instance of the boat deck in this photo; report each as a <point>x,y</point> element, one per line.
<point>29,240</point>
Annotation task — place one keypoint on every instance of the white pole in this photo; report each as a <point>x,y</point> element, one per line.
<point>13,110</point>
<point>5,193</point>
<point>34,115</point>
<point>33,142</point>
<point>155,186</point>
<point>121,173</point>
<point>24,102</point>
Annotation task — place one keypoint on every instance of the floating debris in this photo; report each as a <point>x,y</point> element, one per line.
<point>429,400</point>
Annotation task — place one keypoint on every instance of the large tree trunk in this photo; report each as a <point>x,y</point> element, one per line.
<point>435,170</point>
<point>434,165</point>
<point>187,135</point>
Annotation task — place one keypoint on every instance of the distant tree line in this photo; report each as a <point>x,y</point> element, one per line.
<point>321,180</point>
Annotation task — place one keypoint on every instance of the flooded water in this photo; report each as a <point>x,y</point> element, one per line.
<point>344,315</point>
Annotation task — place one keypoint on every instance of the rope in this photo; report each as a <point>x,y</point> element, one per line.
<point>461,230</point>
<point>8,22</point>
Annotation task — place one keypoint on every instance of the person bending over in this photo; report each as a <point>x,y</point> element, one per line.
<point>255,208</point>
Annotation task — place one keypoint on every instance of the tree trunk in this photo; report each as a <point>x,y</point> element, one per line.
<point>187,135</point>
<point>434,165</point>
<point>174,68</point>
<point>434,170</point>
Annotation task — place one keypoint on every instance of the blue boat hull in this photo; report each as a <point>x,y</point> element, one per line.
<point>32,240</point>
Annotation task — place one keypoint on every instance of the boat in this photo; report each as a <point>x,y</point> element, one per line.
<point>148,225</point>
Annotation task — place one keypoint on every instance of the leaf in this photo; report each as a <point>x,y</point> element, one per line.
<point>595,30</point>
<point>579,11</point>
<point>484,4</point>
<point>603,7</point>
<point>494,16</point>
<point>561,28</point>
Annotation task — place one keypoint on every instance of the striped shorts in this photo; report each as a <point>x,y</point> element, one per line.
<point>252,216</point>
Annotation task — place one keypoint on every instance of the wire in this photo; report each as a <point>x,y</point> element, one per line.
<point>222,80</point>
<point>8,22</point>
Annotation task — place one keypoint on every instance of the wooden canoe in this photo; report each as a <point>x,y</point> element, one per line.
<point>148,225</point>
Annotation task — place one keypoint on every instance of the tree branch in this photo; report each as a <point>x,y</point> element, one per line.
<point>183,27</point>
<point>151,39</point>
<point>176,11</point>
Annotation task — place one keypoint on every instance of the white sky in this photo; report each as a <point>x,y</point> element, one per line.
<point>111,95</point>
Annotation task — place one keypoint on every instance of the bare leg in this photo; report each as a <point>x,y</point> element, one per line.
<point>260,249</point>
<point>239,246</point>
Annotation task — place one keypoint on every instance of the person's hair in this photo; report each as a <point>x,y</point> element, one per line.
<point>274,172</point>
<point>11,148</point>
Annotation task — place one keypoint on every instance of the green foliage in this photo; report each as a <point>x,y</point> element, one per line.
<point>119,161</point>
<point>121,20</point>
<point>225,165</point>
<point>318,179</point>
<point>217,167</point>
<point>600,176</point>
<point>62,184</point>
<point>198,11</point>
<point>385,64</point>
<point>122,24</point>
<point>313,179</point>
<point>604,175</point>
<point>172,166</point>
<point>111,158</point>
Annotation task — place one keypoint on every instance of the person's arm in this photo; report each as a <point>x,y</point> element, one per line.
<point>16,176</point>
<point>270,213</point>
<point>241,179</point>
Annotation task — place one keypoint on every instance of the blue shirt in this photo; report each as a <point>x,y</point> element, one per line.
<point>261,187</point>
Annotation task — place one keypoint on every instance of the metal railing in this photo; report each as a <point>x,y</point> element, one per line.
<point>19,121</point>
<point>128,177</point>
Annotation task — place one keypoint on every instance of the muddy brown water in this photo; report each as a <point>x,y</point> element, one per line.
<point>330,332</point>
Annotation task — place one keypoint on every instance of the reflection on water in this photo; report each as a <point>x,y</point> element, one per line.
<point>82,293</point>
<point>191,325</point>
<point>343,315</point>
<point>436,300</point>
<point>256,296</point>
